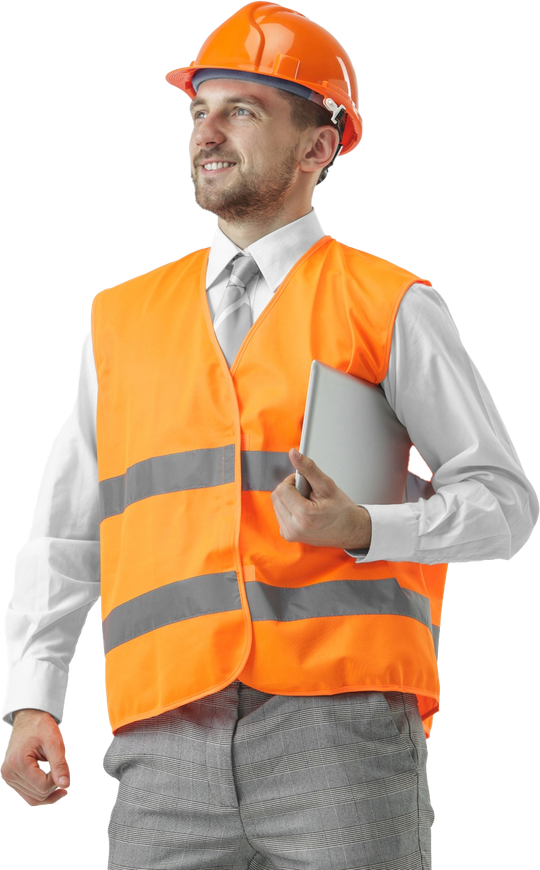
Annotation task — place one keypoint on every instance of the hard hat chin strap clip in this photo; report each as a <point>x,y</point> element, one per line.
<point>337,111</point>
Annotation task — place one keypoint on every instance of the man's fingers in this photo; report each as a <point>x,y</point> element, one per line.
<point>36,795</point>
<point>36,737</point>
<point>328,518</point>
<point>39,801</point>
<point>292,509</point>
<point>25,776</point>
<point>52,750</point>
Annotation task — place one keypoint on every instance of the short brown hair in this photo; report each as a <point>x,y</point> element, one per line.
<point>305,114</point>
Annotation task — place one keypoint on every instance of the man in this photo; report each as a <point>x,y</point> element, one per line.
<point>255,724</point>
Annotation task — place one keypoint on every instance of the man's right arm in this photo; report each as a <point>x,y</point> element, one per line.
<point>56,583</point>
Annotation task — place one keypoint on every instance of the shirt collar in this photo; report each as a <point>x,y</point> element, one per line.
<point>275,254</point>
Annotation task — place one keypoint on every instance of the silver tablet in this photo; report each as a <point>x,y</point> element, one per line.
<point>353,435</point>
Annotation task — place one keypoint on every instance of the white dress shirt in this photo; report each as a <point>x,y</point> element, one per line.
<point>483,507</point>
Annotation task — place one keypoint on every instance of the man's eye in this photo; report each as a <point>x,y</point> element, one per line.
<point>198,115</point>
<point>240,111</point>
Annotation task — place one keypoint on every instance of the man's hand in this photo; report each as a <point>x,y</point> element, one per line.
<point>36,737</point>
<point>328,518</point>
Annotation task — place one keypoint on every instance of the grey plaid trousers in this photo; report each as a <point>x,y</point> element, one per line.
<point>243,779</point>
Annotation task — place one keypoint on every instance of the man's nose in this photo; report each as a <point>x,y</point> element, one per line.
<point>209,132</point>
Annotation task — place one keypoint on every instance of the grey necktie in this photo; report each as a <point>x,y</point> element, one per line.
<point>232,319</point>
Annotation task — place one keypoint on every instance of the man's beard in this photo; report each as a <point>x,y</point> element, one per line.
<point>248,199</point>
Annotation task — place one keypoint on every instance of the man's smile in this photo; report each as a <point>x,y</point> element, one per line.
<point>213,166</point>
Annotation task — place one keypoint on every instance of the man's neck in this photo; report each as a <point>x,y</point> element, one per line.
<point>245,233</point>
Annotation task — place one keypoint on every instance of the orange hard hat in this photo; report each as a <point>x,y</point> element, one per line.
<point>267,41</point>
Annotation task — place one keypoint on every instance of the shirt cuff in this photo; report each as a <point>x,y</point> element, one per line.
<point>36,685</point>
<point>394,534</point>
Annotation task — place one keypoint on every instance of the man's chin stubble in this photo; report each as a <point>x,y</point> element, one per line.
<point>244,203</point>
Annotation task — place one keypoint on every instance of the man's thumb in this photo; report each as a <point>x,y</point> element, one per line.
<point>300,461</point>
<point>306,466</point>
<point>59,765</point>
<point>61,776</point>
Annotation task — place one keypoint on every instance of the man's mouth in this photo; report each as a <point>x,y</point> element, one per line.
<point>216,165</point>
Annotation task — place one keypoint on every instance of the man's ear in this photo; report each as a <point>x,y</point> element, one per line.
<point>320,148</point>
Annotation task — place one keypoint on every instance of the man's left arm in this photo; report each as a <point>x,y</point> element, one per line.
<point>483,507</point>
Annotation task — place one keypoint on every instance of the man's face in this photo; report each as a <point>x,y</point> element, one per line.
<point>243,149</point>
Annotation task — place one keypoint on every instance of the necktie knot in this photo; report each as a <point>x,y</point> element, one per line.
<point>244,268</point>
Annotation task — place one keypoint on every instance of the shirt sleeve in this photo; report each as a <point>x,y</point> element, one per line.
<point>57,577</point>
<point>481,506</point>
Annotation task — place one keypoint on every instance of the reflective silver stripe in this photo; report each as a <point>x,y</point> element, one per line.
<point>435,630</point>
<point>262,470</point>
<point>185,599</point>
<point>218,593</point>
<point>336,598</point>
<point>192,469</point>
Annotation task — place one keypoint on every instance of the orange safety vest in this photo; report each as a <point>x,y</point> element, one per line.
<point>198,587</point>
